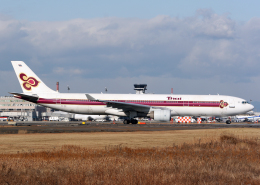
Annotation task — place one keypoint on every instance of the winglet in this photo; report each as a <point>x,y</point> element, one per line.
<point>90,98</point>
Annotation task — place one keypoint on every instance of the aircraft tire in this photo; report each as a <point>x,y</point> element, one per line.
<point>126,121</point>
<point>134,121</point>
<point>228,122</point>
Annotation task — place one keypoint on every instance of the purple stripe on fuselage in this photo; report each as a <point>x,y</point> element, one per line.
<point>149,103</point>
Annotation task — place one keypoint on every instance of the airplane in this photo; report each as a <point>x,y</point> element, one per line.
<point>247,118</point>
<point>159,107</point>
<point>93,117</point>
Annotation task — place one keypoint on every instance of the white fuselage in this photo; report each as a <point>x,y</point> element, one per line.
<point>180,105</point>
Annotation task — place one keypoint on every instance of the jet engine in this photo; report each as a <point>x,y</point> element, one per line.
<point>160,115</point>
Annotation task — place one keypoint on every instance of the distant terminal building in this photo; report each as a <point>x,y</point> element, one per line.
<point>20,110</point>
<point>11,104</point>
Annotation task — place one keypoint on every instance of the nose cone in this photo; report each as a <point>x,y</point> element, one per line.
<point>251,107</point>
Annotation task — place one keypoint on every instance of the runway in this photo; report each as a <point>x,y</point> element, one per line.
<point>74,127</point>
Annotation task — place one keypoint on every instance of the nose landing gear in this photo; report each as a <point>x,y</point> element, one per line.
<point>128,121</point>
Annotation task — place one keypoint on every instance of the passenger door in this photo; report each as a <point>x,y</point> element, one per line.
<point>231,103</point>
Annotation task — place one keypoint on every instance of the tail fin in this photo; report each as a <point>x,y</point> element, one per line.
<point>28,80</point>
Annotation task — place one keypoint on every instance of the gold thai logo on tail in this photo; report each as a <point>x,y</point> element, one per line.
<point>29,82</point>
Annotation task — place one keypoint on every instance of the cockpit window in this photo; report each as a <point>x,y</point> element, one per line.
<point>245,102</point>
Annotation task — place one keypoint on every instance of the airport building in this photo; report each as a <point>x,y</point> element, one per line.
<point>140,88</point>
<point>11,104</point>
<point>20,110</point>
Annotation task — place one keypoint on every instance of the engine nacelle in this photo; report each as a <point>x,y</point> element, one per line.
<point>160,115</point>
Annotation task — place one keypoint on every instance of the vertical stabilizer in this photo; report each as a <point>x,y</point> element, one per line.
<point>28,80</point>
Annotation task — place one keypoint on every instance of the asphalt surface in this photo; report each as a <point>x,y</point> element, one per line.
<point>72,127</point>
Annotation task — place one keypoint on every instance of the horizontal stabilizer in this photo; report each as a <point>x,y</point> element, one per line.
<point>31,98</point>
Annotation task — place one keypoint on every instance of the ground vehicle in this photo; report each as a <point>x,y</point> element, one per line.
<point>54,118</point>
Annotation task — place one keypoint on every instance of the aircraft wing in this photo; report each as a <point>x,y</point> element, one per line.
<point>122,105</point>
<point>30,98</point>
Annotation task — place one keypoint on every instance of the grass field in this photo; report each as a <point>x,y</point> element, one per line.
<point>227,159</point>
<point>221,156</point>
<point>12,143</point>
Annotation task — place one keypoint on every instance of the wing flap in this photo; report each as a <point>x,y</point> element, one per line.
<point>122,105</point>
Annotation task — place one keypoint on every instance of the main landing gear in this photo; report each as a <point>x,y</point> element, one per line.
<point>128,121</point>
<point>228,122</point>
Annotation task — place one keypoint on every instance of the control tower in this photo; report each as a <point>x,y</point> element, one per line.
<point>140,88</point>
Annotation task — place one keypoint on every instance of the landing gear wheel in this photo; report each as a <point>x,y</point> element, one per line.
<point>127,121</point>
<point>228,122</point>
<point>134,121</point>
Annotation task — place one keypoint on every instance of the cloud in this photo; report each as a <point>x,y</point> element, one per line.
<point>213,25</point>
<point>206,47</point>
<point>70,72</point>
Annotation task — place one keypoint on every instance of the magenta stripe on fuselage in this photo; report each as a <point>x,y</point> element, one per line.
<point>141,102</point>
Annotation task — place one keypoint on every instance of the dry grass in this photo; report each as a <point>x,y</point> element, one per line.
<point>11,143</point>
<point>227,159</point>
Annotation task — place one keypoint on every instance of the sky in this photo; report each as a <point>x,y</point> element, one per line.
<point>198,47</point>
